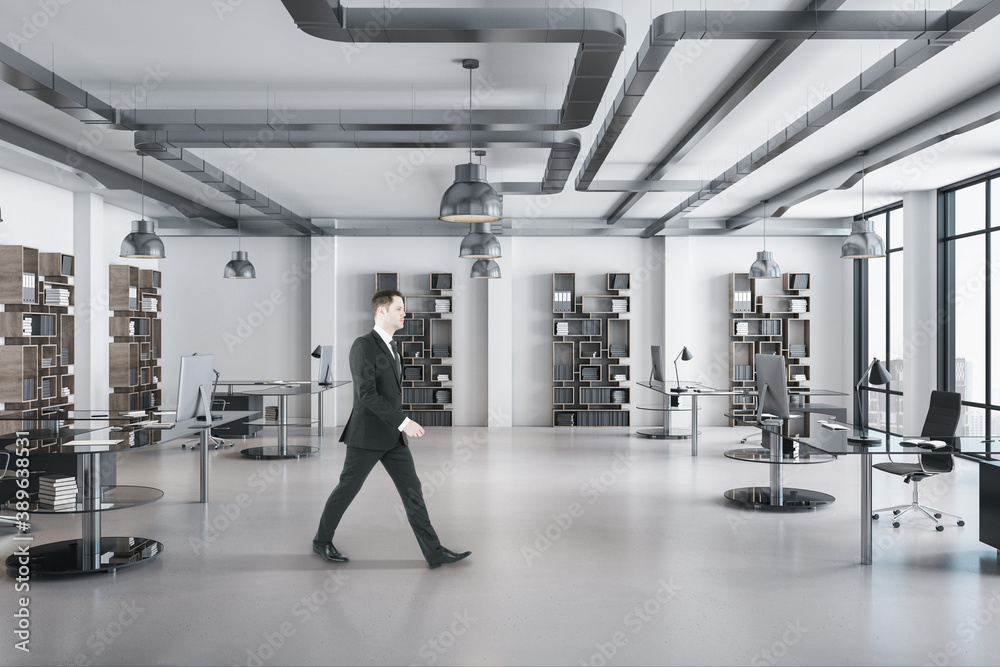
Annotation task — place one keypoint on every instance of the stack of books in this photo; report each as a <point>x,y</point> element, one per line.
<point>590,372</point>
<point>442,305</point>
<point>131,327</point>
<point>133,298</point>
<point>411,373</point>
<point>57,492</point>
<point>565,419</point>
<point>56,296</point>
<point>742,372</point>
<point>620,377</point>
<point>65,356</point>
<point>65,391</point>
<point>562,302</point>
<point>26,326</point>
<point>619,351</point>
<point>442,396</point>
<point>149,303</point>
<point>742,328</point>
<point>799,377</point>
<point>797,350</point>
<point>619,396</point>
<point>441,351</point>
<point>442,377</point>
<point>798,305</point>
<point>619,305</point>
<point>562,328</point>
<point>563,372</point>
<point>271,413</point>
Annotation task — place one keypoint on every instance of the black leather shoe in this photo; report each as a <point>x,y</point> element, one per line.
<point>329,552</point>
<point>446,556</point>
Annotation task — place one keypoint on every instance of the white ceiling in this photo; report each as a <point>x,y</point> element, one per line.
<point>249,54</point>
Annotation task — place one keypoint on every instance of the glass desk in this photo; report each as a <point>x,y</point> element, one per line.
<point>834,442</point>
<point>671,404</point>
<point>283,450</point>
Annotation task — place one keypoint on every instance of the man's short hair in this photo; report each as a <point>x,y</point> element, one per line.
<point>383,298</point>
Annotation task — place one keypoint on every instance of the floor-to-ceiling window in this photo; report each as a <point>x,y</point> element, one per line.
<point>882,321</point>
<point>968,246</point>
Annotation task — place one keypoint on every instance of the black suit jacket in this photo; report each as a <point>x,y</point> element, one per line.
<point>378,397</point>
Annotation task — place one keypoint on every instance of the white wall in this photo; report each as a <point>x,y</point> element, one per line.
<point>414,259</point>
<point>257,329</point>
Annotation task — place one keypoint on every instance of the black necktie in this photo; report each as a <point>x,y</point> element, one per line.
<point>395,356</point>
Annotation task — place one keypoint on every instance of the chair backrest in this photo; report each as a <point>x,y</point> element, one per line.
<point>943,415</point>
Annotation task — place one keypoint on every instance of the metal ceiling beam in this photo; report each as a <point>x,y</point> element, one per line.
<point>965,116</point>
<point>169,146</point>
<point>965,17</point>
<point>742,81</point>
<point>600,34</point>
<point>33,79</point>
<point>109,177</point>
<point>668,29</point>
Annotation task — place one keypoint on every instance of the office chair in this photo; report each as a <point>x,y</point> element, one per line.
<point>220,403</point>
<point>942,421</point>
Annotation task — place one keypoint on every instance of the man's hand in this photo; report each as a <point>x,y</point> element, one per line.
<point>413,429</point>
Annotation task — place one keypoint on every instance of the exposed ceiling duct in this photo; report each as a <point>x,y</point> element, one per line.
<point>943,30</point>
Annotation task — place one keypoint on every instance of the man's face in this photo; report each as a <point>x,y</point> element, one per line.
<point>394,315</point>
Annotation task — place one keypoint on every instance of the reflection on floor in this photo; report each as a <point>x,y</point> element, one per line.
<point>590,547</point>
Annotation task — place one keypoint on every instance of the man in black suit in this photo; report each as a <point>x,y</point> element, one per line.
<point>377,430</point>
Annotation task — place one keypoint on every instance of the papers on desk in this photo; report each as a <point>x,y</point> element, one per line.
<point>91,445</point>
<point>923,443</point>
<point>152,426</point>
<point>831,426</point>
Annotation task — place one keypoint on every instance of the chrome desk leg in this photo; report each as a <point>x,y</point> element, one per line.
<point>91,521</point>
<point>206,441</point>
<point>694,424</point>
<point>283,425</point>
<point>319,400</point>
<point>777,488</point>
<point>866,508</point>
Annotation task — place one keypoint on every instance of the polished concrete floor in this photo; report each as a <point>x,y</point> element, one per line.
<point>590,547</point>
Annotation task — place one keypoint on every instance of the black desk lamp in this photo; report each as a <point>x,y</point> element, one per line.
<point>683,355</point>
<point>878,375</point>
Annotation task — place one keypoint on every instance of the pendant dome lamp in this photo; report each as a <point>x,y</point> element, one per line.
<point>470,198</point>
<point>239,266</point>
<point>765,266</point>
<point>485,268</point>
<point>863,242</point>
<point>142,242</point>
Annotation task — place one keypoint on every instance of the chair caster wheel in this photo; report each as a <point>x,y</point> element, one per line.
<point>939,528</point>
<point>183,446</point>
<point>874,517</point>
<point>961,523</point>
<point>895,512</point>
<point>895,524</point>
<point>937,516</point>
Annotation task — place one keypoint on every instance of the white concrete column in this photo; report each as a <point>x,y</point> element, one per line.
<point>91,305</point>
<point>500,342</point>
<point>919,305</point>
<point>323,310</point>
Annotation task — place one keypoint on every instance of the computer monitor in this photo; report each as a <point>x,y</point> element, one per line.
<point>772,386</point>
<point>656,375</point>
<point>325,376</point>
<point>195,386</point>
